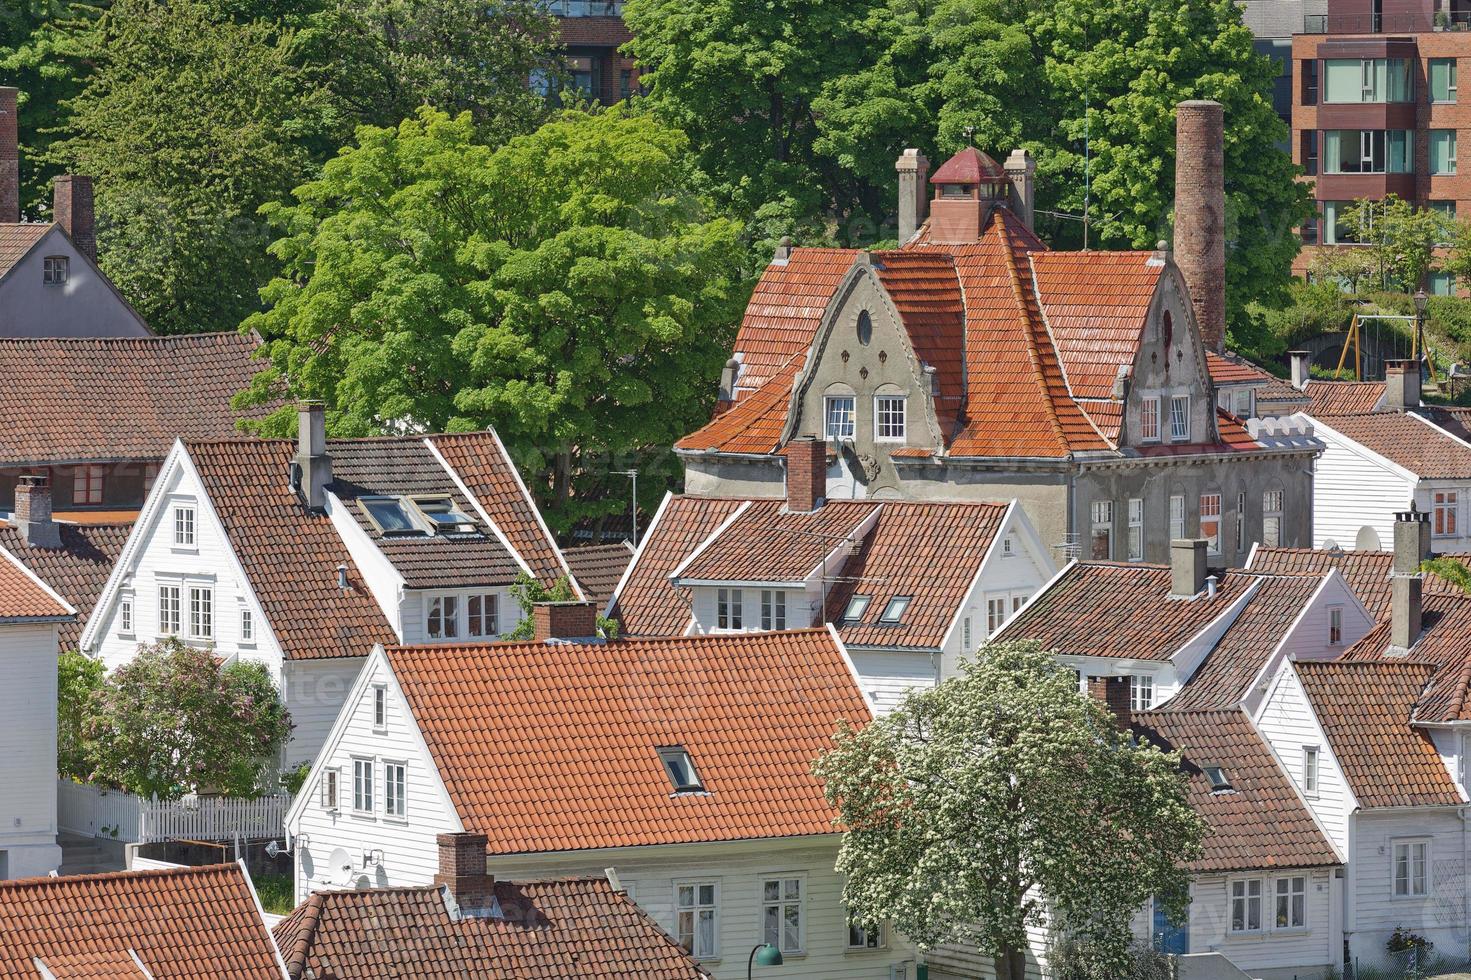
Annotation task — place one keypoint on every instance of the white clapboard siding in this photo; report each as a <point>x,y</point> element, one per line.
<point>888,675</point>
<point>1304,951</point>
<point>1352,490</point>
<point>315,692</point>
<point>1286,721</point>
<point>1440,916</point>
<point>28,707</point>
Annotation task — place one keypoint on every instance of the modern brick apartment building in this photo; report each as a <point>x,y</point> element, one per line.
<point>593,31</point>
<point>1376,110</point>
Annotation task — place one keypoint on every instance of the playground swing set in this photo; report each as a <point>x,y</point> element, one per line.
<point>1352,340</point>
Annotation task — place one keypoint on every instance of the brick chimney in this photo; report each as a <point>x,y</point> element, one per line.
<point>71,205</point>
<point>9,155</point>
<point>33,513</point>
<point>1187,566</point>
<point>1113,694</point>
<point>1200,214</point>
<point>1411,547</point>
<point>1022,171</point>
<point>914,192</point>
<point>806,474</point>
<point>1401,385</point>
<point>1302,368</point>
<point>462,871</point>
<point>564,621</point>
<point>313,465</point>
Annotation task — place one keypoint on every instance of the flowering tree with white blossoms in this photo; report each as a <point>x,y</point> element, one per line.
<point>1004,798</point>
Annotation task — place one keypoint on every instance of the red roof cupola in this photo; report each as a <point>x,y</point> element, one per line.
<point>970,166</point>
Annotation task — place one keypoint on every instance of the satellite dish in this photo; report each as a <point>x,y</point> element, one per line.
<point>274,849</point>
<point>339,866</point>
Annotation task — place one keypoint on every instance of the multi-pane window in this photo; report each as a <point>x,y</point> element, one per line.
<point>888,415</point>
<point>1180,418</point>
<point>1446,503</point>
<point>1210,521</point>
<point>1241,522</point>
<point>1177,518</point>
<point>1292,903</point>
<point>728,609</point>
<point>1442,151</point>
<point>1136,528</point>
<point>330,799</point>
<point>393,789</point>
<point>55,270</point>
<point>781,913</point>
<point>995,614</point>
<point>125,616</point>
<point>1271,518</point>
<point>1442,72</point>
<point>1149,419</point>
<point>380,708</point>
<point>773,609</point>
<point>170,619</point>
<point>1101,542</point>
<point>1335,625</point>
<point>87,484</point>
<point>1366,80</point>
<point>1367,151</point>
<point>184,526</point>
<point>1310,770</point>
<point>1246,905</point>
<point>201,612</point>
<point>965,635</point>
<point>443,621</point>
<point>696,911</point>
<point>247,626</point>
<point>1411,868</point>
<point>839,413</point>
<point>362,785</point>
<point>1141,692</point>
<point>483,615</point>
<point>861,938</point>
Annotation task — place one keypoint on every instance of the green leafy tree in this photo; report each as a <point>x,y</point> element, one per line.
<point>78,679</point>
<point>527,592</point>
<point>569,288</point>
<point>174,719</point>
<point>1345,267</point>
<point>1002,799</point>
<point>1401,239</point>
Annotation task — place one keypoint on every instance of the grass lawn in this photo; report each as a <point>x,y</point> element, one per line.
<point>275,893</point>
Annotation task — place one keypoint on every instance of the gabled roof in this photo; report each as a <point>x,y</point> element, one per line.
<point>77,570</point>
<point>554,747</point>
<point>646,604</point>
<point>573,929</point>
<point>17,239</point>
<point>1366,572</point>
<point>1407,440</point>
<point>120,397</point>
<point>23,597</point>
<point>1327,398</point>
<point>182,924</point>
<point>598,567</point>
<point>1230,369</point>
<point>1366,710</point>
<point>768,543</point>
<point>783,313</point>
<point>1444,643</point>
<point>1261,822</point>
<point>755,423</point>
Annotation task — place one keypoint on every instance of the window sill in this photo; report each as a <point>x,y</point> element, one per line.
<point>1247,934</point>
<point>184,549</point>
<point>865,950</point>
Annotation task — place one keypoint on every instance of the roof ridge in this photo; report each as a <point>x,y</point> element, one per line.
<point>1008,249</point>
<point>695,639</point>
<point>307,918</point>
<point>50,880</point>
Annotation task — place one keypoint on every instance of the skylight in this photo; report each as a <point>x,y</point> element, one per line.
<point>389,515</point>
<point>894,611</point>
<point>443,515</point>
<point>680,769</point>
<point>857,606</point>
<point>1217,776</point>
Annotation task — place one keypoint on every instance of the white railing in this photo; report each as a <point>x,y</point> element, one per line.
<point>95,812</point>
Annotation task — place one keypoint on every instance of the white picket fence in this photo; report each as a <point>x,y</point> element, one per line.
<point>95,812</point>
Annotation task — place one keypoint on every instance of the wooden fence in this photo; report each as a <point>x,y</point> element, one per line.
<point>96,812</point>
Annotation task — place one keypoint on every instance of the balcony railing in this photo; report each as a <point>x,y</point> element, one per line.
<point>1371,23</point>
<point>586,8</point>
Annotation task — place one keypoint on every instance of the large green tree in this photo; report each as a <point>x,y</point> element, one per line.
<point>569,288</point>
<point>1004,799</point>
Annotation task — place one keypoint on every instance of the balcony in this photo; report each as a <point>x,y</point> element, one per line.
<point>586,8</point>
<point>1404,22</point>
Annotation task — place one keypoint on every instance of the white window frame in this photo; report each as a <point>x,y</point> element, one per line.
<point>1300,893</point>
<point>1445,504</point>
<point>1149,419</point>
<point>883,421</point>
<point>201,612</point>
<point>1135,539</point>
<point>1180,432</point>
<point>89,485</point>
<point>56,270</point>
<point>330,790</point>
<point>773,609</point>
<point>1463,760</point>
<point>840,428</point>
<point>186,527</point>
<point>1335,626</point>
<point>694,910</point>
<point>1212,542</point>
<point>965,635</point>
<point>781,904</point>
<point>395,797</point>
<point>1141,692</point>
<point>126,625</point>
<point>1426,886</point>
<point>1177,516</point>
<point>1272,517</point>
<point>1100,523</point>
<point>1241,522</point>
<point>380,708</point>
<point>171,609</point>
<point>363,791</point>
<point>880,938</point>
<point>729,610</point>
<point>1246,898</point>
<point>487,600</point>
<point>247,625</point>
<point>435,604</point>
<point>1312,770</point>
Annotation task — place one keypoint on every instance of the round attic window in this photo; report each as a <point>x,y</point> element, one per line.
<point>865,327</point>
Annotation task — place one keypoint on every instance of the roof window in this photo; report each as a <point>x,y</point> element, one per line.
<point>681,769</point>
<point>857,606</point>
<point>389,515</point>
<point>443,515</point>
<point>894,611</point>
<point>1217,776</point>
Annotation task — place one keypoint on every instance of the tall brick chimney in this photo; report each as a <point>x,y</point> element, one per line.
<point>1113,694</point>
<point>462,871</point>
<point>1411,547</point>
<point>914,192</point>
<point>1200,213</point>
<point>71,205</point>
<point>564,621</point>
<point>33,513</point>
<point>9,155</point>
<point>806,474</point>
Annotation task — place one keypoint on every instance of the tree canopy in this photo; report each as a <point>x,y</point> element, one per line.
<point>568,288</point>
<point>1001,799</point>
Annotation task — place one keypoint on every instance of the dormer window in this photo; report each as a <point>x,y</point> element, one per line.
<point>389,515</point>
<point>1218,779</point>
<point>681,769</point>
<point>55,270</point>
<point>894,611</point>
<point>857,606</point>
<point>443,515</point>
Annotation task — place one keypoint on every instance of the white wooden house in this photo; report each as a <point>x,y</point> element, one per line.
<point>680,765</point>
<point>303,556</point>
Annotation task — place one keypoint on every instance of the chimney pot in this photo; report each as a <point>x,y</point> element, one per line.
<point>1401,384</point>
<point>71,205</point>
<point>564,621</point>
<point>806,474</point>
<point>33,513</point>
<point>1302,368</point>
<point>9,155</point>
<point>312,461</point>
<point>462,870</point>
<point>914,198</point>
<point>1411,547</point>
<point>1187,566</point>
<point>1200,214</point>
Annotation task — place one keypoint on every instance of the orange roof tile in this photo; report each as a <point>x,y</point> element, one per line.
<point>648,605</point>
<point>1408,440</point>
<point>926,292</point>
<point>1095,304</point>
<point>1343,397</point>
<point>599,567</point>
<point>23,598</point>
<point>553,747</point>
<point>755,423</point>
<point>768,543</point>
<point>183,924</point>
<point>1231,369</point>
<point>1444,643</point>
<point>784,310</point>
<point>77,570</point>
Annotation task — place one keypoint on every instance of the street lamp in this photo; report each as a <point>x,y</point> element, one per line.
<point>1421,302</point>
<point>765,954</point>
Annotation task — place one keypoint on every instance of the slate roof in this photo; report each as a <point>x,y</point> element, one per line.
<point>1327,398</point>
<point>119,397</point>
<point>648,605</point>
<point>598,567</point>
<point>1113,609</point>
<point>553,748</point>
<point>573,929</point>
<point>17,239</point>
<point>1406,439</point>
<point>1444,643</point>
<point>1366,572</point>
<point>1261,822</point>
<point>77,570</point>
<point>183,923</point>
<point>23,598</point>
<point>1365,709</point>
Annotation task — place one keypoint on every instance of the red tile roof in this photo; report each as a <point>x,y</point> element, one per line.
<point>23,598</point>
<point>553,748</point>
<point>783,313</point>
<point>926,292</point>
<point>77,570</point>
<point>1343,397</point>
<point>183,924</point>
<point>17,239</point>
<point>119,398</point>
<point>1231,369</point>
<point>648,605</point>
<point>1407,440</point>
<point>1444,643</point>
<point>1365,708</point>
<point>1095,304</point>
<point>768,543</point>
<point>1366,572</point>
<point>969,166</point>
<point>755,423</point>
<point>575,929</point>
<point>598,568</point>
<point>1261,822</point>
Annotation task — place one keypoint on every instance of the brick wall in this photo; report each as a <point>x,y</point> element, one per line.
<point>9,156</point>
